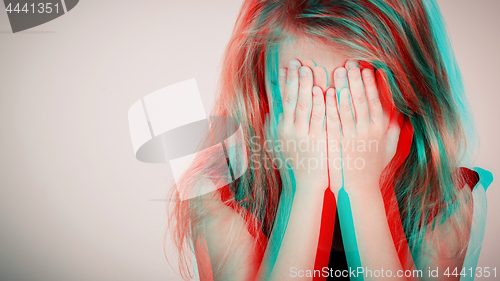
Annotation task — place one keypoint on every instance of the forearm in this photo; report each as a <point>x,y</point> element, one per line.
<point>297,252</point>
<point>374,240</point>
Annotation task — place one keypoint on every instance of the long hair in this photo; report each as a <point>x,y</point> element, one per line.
<point>406,39</point>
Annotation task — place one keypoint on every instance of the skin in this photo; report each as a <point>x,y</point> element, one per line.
<point>321,59</point>
<point>316,106</point>
<point>330,71</point>
<point>302,98</point>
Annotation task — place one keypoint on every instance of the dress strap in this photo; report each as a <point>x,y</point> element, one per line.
<point>483,180</point>
<point>485,177</point>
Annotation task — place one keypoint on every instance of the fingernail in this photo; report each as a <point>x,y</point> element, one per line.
<point>341,73</point>
<point>330,92</point>
<point>316,91</point>
<point>367,73</point>
<point>293,65</point>
<point>303,72</point>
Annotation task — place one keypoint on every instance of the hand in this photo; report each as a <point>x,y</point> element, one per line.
<point>302,127</point>
<point>369,135</point>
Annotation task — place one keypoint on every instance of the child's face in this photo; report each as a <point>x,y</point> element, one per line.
<point>321,58</point>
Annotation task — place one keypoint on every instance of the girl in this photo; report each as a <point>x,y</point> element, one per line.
<point>354,132</point>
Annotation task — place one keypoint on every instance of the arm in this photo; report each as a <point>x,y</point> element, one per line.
<point>226,250</point>
<point>363,122</point>
<point>450,246</point>
<point>374,240</point>
<point>291,250</point>
<point>241,258</point>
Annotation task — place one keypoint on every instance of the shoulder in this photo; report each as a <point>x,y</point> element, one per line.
<point>452,235</point>
<point>461,233</point>
<point>233,252</point>
<point>218,209</point>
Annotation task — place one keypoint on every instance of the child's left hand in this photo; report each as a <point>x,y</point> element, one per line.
<point>370,134</point>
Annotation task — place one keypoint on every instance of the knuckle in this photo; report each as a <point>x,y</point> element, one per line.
<point>359,98</point>
<point>291,99</point>
<point>317,116</point>
<point>301,105</point>
<point>333,116</point>
<point>319,104</point>
<point>345,107</point>
<point>374,100</point>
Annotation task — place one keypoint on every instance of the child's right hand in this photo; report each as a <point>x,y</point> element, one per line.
<point>302,127</point>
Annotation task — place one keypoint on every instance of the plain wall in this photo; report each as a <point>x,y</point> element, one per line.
<point>75,204</point>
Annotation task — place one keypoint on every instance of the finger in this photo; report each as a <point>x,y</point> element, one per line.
<point>357,90</point>
<point>317,125</point>
<point>320,77</point>
<point>334,132</point>
<point>282,83</point>
<point>392,134</point>
<point>280,126</point>
<point>345,113</point>
<point>303,109</point>
<point>309,63</point>
<point>291,90</point>
<point>333,118</point>
<point>340,79</point>
<point>281,132</point>
<point>280,121</point>
<point>351,63</point>
<point>372,96</point>
<point>365,64</point>
<point>384,95</point>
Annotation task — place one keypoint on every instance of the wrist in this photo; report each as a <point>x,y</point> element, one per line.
<point>313,189</point>
<point>362,185</point>
<point>365,193</point>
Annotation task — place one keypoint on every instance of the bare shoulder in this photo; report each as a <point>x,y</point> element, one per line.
<point>233,252</point>
<point>446,245</point>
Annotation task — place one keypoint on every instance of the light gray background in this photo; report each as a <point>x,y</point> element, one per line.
<point>75,203</point>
